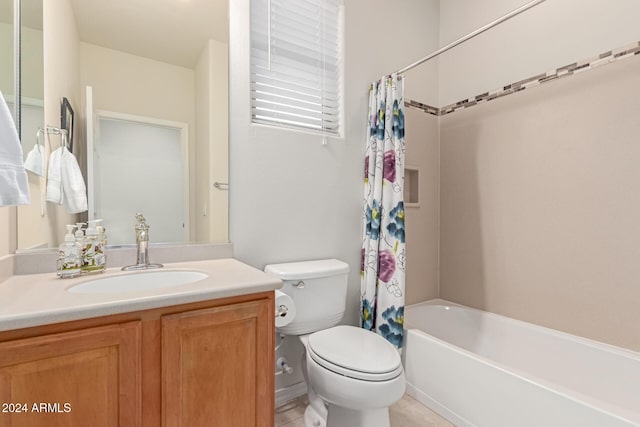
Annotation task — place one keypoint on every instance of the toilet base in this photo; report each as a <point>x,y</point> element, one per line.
<point>313,419</point>
<point>321,412</point>
<point>339,416</point>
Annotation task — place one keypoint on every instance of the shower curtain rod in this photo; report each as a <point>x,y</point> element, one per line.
<point>471,35</point>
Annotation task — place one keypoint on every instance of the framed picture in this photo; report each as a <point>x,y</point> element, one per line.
<point>66,120</point>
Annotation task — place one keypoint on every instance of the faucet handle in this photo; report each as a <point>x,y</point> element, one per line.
<point>141,225</point>
<point>140,218</point>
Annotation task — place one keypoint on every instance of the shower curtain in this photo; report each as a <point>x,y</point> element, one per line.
<point>382,268</point>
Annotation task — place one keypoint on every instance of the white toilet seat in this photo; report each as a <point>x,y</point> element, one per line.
<point>355,353</point>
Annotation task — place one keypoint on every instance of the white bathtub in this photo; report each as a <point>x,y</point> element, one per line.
<point>480,369</point>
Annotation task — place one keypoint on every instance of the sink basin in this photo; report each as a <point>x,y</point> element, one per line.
<point>134,282</point>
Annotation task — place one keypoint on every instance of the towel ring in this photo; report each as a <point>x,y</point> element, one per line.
<point>52,130</point>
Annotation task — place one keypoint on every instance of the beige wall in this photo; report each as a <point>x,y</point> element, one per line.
<point>211,142</point>
<point>32,67</point>
<point>131,84</point>
<point>62,62</point>
<point>202,77</point>
<point>6,58</point>
<point>423,152</point>
<point>31,61</point>
<point>32,226</point>
<point>540,208</point>
<point>219,153</point>
<point>421,83</point>
<point>6,86</point>
<point>5,231</point>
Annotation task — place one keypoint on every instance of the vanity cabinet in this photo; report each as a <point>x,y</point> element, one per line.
<point>86,377</point>
<point>215,366</point>
<point>200,364</point>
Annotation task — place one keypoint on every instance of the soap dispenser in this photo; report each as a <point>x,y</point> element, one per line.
<point>102,236</point>
<point>69,256</point>
<point>93,258</point>
<point>79,233</point>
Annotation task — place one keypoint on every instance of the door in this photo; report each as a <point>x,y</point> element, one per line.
<point>217,366</point>
<point>137,164</point>
<point>89,377</point>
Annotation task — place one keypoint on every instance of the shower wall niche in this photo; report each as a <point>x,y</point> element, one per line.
<point>411,186</point>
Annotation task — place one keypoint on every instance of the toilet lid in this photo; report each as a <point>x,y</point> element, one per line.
<point>355,352</point>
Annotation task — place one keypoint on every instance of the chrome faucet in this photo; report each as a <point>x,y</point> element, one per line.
<point>142,240</point>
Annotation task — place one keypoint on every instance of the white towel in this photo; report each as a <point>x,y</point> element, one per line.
<point>65,183</point>
<point>75,191</point>
<point>55,193</point>
<point>14,186</point>
<point>34,162</point>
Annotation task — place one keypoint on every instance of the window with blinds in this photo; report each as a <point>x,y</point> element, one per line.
<point>296,64</point>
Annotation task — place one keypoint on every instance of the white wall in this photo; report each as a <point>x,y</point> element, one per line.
<point>292,198</point>
<point>552,34</point>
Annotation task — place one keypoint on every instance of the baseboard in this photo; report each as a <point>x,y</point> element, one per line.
<point>286,394</point>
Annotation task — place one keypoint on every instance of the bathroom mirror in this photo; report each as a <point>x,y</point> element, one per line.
<point>6,51</point>
<point>31,79</point>
<point>147,81</point>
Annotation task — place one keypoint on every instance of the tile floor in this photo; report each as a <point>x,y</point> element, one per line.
<point>407,412</point>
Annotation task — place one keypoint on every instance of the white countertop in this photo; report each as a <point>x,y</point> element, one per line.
<point>39,299</point>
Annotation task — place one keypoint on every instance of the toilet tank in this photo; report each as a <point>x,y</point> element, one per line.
<point>318,289</point>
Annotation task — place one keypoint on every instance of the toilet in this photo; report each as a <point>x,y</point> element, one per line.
<point>353,375</point>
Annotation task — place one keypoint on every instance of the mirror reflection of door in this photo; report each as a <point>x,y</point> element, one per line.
<point>139,164</point>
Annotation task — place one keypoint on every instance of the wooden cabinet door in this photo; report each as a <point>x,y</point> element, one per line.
<point>217,366</point>
<point>90,377</point>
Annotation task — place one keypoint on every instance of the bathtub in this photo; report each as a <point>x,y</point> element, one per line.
<point>480,369</point>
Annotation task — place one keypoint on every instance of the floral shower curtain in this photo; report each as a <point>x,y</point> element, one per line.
<point>382,267</point>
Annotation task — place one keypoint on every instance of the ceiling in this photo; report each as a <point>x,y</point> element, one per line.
<point>172,31</point>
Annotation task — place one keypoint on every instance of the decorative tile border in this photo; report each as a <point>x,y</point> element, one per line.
<point>424,107</point>
<point>567,70</point>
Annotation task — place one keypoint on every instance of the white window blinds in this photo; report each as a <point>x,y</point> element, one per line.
<point>296,64</point>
